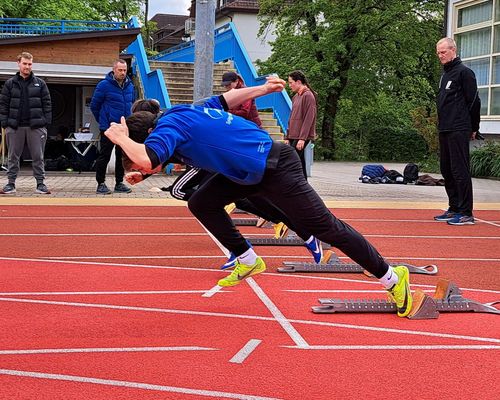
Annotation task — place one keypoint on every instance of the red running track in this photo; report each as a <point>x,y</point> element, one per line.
<point>89,313</point>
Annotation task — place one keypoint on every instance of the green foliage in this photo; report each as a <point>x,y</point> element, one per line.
<point>381,131</point>
<point>430,163</point>
<point>426,125</point>
<point>485,161</point>
<point>352,52</point>
<point>95,10</point>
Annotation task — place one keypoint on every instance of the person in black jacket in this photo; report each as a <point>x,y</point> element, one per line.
<point>25,112</point>
<point>458,108</point>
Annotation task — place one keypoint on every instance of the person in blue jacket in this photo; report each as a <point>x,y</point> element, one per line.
<point>249,163</point>
<point>112,99</point>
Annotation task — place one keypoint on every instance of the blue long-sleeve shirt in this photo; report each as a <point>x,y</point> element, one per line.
<point>210,138</point>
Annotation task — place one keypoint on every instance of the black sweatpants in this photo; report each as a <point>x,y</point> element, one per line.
<point>301,153</point>
<point>285,187</point>
<point>106,148</point>
<point>193,178</point>
<point>455,168</point>
<point>188,182</point>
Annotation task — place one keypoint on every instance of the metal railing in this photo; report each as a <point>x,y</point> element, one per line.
<point>228,46</point>
<point>14,27</point>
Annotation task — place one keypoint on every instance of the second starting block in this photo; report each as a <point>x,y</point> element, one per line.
<point>447,298</point>
<point>332,264</point>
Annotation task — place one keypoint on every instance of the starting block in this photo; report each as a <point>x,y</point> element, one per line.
<point>290,240</point>
<point>332,264</point>
<point>447,298</point>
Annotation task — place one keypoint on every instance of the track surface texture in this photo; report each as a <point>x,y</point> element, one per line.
<point>112,302</point>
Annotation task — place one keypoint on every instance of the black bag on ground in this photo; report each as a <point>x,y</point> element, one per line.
<point>410,173</point>
<point>392,176</point>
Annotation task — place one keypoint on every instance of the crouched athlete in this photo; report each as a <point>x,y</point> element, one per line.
<point>249,163</point>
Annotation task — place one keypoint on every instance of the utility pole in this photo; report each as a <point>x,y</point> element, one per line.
<point>204,49</point>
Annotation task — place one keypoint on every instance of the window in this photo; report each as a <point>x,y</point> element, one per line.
<point>477,33</point>
<point>474,14</point>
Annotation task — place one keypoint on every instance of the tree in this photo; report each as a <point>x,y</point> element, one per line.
<point>95,10</point>
<point>355,49</point>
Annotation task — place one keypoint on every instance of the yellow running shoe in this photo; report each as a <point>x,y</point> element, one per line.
<point>242,271</point>
<point>280,231</point>
<point>400,293</point>
<point>230,208</point>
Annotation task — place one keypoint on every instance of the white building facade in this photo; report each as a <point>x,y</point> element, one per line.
<point>475,26</point>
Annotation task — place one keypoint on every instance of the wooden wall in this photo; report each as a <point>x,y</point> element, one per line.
<point>101,51</point>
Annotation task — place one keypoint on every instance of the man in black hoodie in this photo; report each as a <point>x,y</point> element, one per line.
<point>458,107</point>
<point>25,112</point>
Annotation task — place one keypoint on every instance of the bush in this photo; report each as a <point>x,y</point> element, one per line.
<point>430,164</point>
<point>394,144</point>
<point>485,161</point>
<point>381,130</point>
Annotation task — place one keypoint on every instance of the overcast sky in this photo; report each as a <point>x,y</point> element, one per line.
<point>179,7</point>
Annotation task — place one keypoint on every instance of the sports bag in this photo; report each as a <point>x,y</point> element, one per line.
<point>410,173</point>
<point>372,171</point>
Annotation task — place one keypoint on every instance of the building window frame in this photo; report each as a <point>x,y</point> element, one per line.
<point>488,88</point>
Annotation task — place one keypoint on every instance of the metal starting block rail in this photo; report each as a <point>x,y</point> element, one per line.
<point>245,221</point>
<point>447,298</point>
<point>332,264</point>
<point>266,241</point>
<point>290,240</point>
<point>251,222</point>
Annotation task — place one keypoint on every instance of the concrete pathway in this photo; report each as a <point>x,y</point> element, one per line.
<point>336,182</point>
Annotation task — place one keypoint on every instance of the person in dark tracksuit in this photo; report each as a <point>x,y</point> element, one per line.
<point>249,163</point>
<point>458,107</point>
<point>112,98</point>
<point>25,112</point>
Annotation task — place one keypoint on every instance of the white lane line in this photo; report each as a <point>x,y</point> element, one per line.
<point>401,347</point>
<point>277,314</point>
<point>399,258</point>
<point>96,218</point>
<point>131,217</point>
<point>252,317</point>
<point>306,276</point>
<point>487,222</point>
<point>105,293</point>
<point>134,385</point>
<point>337,291</point>
<point>41,234</point>
<point>213,291</point>
<point>166,267</point>
<point>430,236</point>
<point>241,355</point>
<point>106,350</point>
<point>104,234</point>
<point>225,251</point>
<point>287,256</point>
<point>92,263</point>
<point>173,257</point>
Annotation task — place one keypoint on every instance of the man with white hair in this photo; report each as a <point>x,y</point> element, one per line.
<point>458,108</point>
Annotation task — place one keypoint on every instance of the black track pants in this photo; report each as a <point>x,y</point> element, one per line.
<point>286,188</point>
